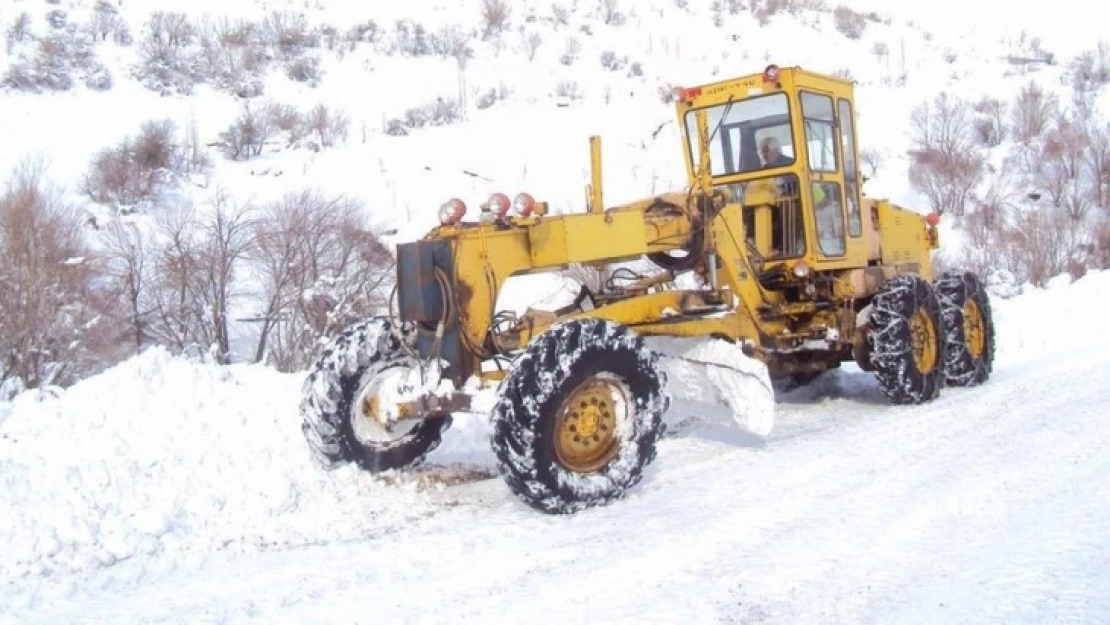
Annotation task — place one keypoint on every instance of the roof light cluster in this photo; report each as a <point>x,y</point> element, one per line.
<point>497,206</point>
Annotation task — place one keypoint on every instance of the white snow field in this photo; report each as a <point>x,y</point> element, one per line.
<point>170,491</point>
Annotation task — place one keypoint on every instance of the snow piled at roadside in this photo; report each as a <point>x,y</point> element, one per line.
<point>162,455</point>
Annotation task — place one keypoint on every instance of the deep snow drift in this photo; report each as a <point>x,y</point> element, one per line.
<point>175,491</point>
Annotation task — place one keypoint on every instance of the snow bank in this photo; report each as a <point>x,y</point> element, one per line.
<point>164,456</point>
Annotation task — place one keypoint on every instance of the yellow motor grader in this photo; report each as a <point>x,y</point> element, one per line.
<point>771,248</point>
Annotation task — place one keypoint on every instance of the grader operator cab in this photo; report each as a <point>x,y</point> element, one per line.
<point>771,249</point>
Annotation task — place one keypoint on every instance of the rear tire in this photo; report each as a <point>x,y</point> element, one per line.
<point>906,340</point>
<point>536,431</point>
<point>345,367</point>
<point>969,328</point>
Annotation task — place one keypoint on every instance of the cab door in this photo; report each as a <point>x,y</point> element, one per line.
<point>833,181</point>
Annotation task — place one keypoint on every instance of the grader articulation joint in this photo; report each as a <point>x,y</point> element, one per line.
<point>771,247</point>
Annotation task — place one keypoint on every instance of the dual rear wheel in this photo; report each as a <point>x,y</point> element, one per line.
<point>924,337</point>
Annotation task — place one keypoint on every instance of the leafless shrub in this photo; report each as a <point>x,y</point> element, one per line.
<point>289,33</point>
<point>55,64</point>
<point>612,62</point>
<point>1041,244</point>
<point>571,52</point>
<point>492,95</point>
<point>329,126</point>
<point>666,93</point>
<point>610,13</point>
<point>20,29</point>
<point>568,89</point>
<point>105,22</point>
<point>560,15</point>
<point>128,265</point>
<point>304,69</point>
<point>136,169</point>
<point>50,305</point>
<point>366,32</point>
<point>947,164</point>
<point>411,38</point>
<point>318,267</point>
<point>1098,161</point>
<point>441,112</point>
<point>286,118</point>
<point>990,122</point>
<point>495,17</point>
<point>247,135</point>
<point>1032,111</point>
<point>452,42</point>
<point>531,45</point>
<point>167,63</point>
<point>848,22</point>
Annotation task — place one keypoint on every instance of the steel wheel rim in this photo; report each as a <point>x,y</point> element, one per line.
<point>923,339</point>
<point>367,406</point>
<point>973,329</point>
<point>586,425</point>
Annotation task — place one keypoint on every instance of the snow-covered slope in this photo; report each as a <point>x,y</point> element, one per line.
<point>168,491</point>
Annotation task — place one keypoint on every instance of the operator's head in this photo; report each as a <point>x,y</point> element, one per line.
<point>770,149</point>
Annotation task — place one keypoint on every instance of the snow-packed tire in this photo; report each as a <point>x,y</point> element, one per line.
<point>562,459</point>
<point>906,340</point>
<point>969,328</point>
<point>345,367</point>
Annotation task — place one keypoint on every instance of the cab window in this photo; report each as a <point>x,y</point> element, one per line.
<point>817,115</point>
<point>851,168</point>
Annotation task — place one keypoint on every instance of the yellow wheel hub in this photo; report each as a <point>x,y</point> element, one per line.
<point>974,335</point>
<point>586,424</point>
<point>923,341</point>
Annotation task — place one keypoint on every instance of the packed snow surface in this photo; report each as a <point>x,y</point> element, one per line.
<point>171,491</point>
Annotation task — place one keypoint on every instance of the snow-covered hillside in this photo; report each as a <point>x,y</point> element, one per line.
<point>168,491</point>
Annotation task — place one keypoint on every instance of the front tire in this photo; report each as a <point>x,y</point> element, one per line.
<point>334,419</point>
<point>578,417</point>
<point>906,340</point>
<point>966,310</point>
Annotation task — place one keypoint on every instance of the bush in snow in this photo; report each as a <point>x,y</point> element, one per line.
<point>137,168</point>
<point>1032,110</point>
<point>947,164</point>
<point>289,33</point>
<point>452,42</point>
<point>441,112</point>
<point>848,22</point>
<point>50,305</point>
<point>495,17</point>
<point>609,13</point>
<point>19,30</point>
<point>990,122</point>
<point>56,18</point>
<point>612,62</point>
<point>571,52</point>
<point>168,59</point>
<point>247,135</point>
<point>411,39</point>
<point>304,69</point>
<point>492,95</point>
<point>106,22</point>
<point>55,64</point>
<point>327,125</point>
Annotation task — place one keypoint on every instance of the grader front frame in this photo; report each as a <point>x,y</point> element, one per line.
<point>788,260</point>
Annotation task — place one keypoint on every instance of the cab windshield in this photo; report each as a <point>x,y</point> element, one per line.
<point>744,136</point>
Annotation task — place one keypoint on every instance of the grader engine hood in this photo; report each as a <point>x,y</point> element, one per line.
<point>426,288</point>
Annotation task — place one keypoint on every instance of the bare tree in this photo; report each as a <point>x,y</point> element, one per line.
<point>128,265</point>
<point>318,266</point>
<point>947,164</point>
<point>225,243</point>
<point>49,301</point>
<point>1032,112</point>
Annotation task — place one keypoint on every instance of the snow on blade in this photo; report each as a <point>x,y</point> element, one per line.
<point>713,370</point>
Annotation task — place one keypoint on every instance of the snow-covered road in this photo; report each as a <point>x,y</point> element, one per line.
<point>989,505</point>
